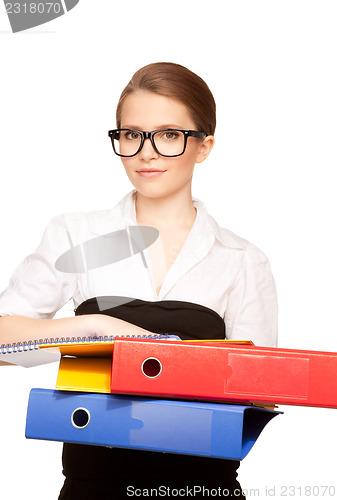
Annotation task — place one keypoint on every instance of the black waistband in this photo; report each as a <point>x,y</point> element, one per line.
<point>186,319</point>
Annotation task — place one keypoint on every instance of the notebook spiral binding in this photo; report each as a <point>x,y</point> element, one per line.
<point>33,345</point>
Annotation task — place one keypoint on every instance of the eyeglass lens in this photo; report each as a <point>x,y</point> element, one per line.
<point>167,142</point>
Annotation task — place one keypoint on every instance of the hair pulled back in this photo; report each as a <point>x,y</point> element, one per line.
<point>176,82</point>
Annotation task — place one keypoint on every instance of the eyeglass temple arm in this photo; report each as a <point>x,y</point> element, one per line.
<point>199,135</point>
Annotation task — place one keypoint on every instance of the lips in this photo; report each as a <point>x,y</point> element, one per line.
<point>150,172</point>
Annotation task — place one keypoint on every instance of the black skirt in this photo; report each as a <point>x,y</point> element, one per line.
<point>95,472</point>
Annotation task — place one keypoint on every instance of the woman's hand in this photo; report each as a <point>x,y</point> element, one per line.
<point>23,329</point>
<point>104,325</point>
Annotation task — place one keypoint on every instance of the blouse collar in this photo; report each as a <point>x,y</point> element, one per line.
<point>204,226</point>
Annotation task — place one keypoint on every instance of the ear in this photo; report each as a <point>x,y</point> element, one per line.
<point>205,148</point>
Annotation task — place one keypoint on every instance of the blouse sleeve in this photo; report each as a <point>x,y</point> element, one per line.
<point>37,289</point>
<point>252,305</point>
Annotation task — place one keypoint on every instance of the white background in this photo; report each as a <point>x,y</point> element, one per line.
<point>271,178</point>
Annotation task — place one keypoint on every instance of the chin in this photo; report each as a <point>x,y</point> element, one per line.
<point>153,191</point>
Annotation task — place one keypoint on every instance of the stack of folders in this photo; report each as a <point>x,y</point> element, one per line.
<point>85,408</point>
<point>203,398</point>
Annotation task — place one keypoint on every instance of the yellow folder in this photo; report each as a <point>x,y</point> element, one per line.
<point>84,374</point>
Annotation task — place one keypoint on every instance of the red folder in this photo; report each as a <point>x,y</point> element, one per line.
<point>218,371</point>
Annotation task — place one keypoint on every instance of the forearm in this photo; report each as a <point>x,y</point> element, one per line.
<point>22,329</point>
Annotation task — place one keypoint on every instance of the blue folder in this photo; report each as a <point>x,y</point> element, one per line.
<point>187,427</point>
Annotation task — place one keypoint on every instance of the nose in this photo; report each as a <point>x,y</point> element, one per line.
<point>148,152</point>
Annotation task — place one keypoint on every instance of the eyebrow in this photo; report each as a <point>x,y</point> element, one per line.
<point>159,127</point>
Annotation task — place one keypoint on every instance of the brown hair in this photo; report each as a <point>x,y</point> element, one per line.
<point>177,82</point>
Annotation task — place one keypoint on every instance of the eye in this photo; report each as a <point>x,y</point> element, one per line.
<point>132,135</point>
<point>170,135</point>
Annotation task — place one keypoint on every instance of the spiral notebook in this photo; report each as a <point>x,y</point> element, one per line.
<point>39,352</point>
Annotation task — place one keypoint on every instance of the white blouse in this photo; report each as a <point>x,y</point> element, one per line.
<point>215,268</point>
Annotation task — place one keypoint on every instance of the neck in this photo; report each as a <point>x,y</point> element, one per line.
<point>167,212</point>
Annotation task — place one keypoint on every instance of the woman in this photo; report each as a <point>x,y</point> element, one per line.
<point>196,279</point>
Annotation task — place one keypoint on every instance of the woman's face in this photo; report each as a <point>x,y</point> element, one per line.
<point>148,111</point>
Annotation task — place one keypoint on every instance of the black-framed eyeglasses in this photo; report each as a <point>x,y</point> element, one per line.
<point>166,142</point>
